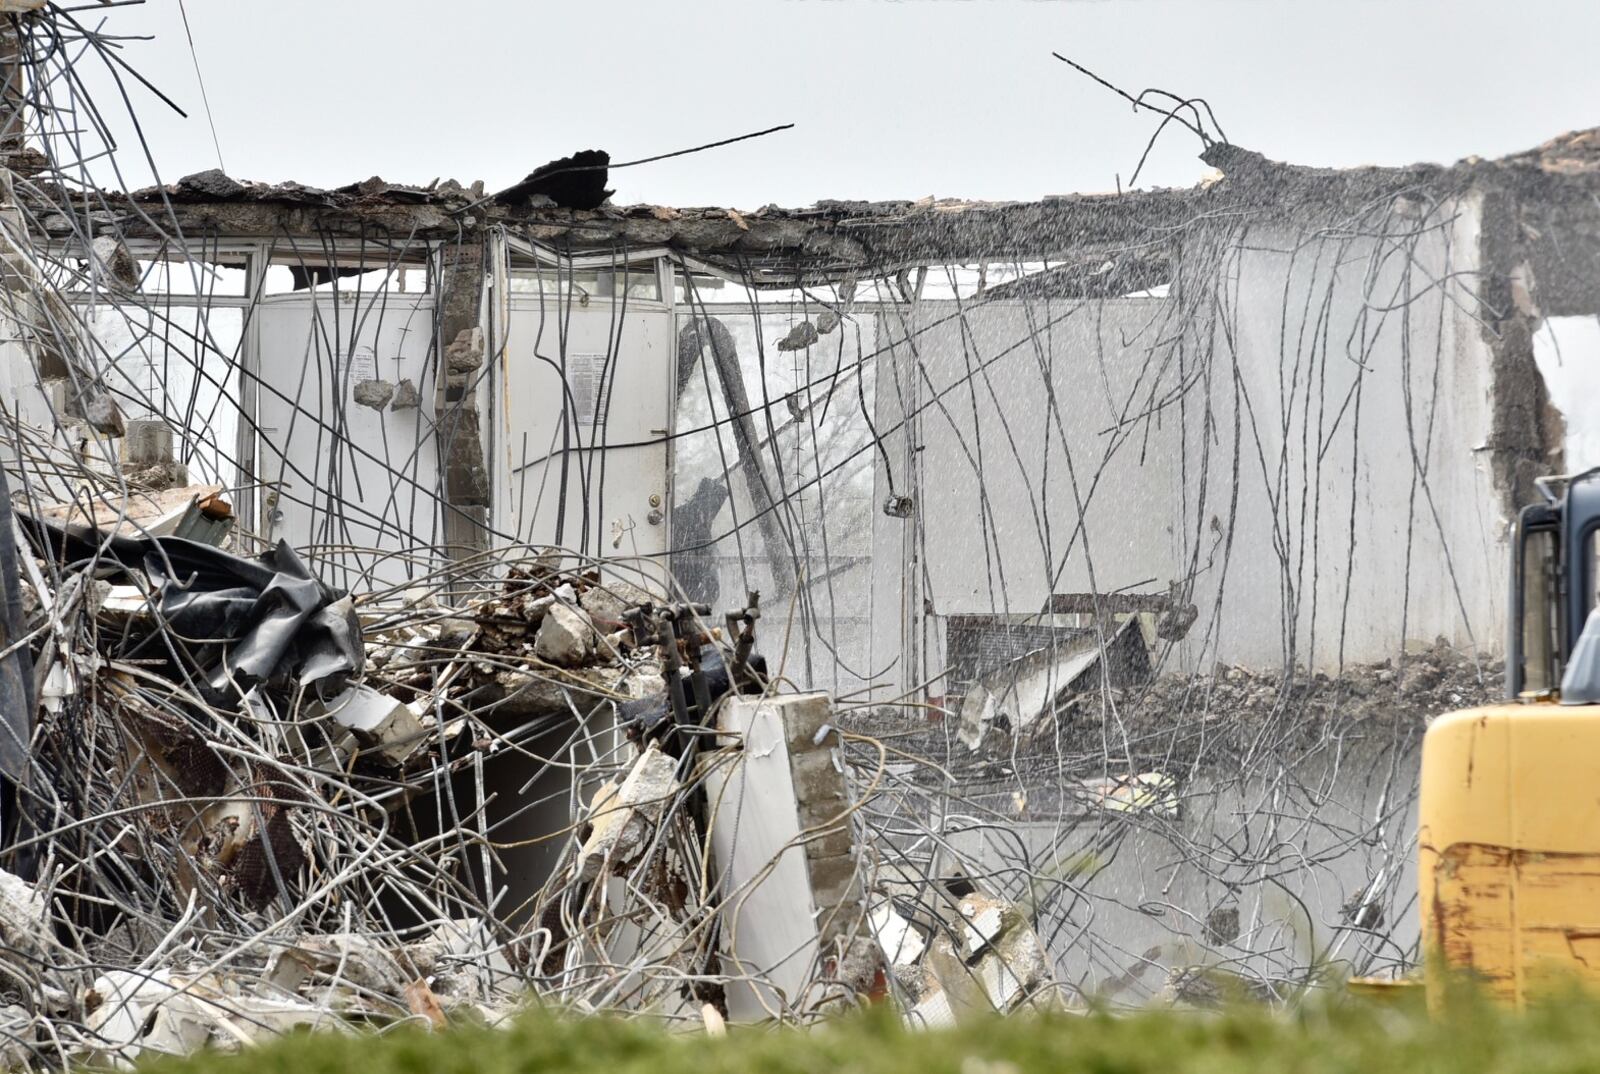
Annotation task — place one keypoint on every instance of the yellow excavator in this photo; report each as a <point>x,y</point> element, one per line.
<point>1509,813</point>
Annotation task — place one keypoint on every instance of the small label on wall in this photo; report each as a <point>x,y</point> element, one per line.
<point>363,364</point>
<point>588,378</point>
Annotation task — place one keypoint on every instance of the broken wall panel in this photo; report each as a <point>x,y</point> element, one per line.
<point>788,872</point>
<point>346,432</point>
<point>583,404</point>
<point>1357,372</point>
<point>175,368</point>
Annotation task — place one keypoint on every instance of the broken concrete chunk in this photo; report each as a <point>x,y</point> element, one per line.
<point>465,353</point>
<point>373,393</point>
<point>126,1014</point>
<point>139,1015</point>
<point>566,637</point>
<point>622,818</point>
<point>536,609</point>
<point>799,338</point>
<point>932,1011</point>
<point>1006,955</point>
<point>526,693</point>
<point>389,728</point>
<point>22,914</point>
<point>211,183</point>
<point>827,321</point>
<point>147,443</point>
<point>548,560</point>
<point>462,961</point>
<point>405,396</point>
<point>1211,988</point>
<point>115,261</point>
<point>98,409</point>
<point>609,601</point>
<point>611,825</point>
<point>985,922</point>
<point>901,944</point>
<point>347,957</point>
<point>122,604</point>
<point>1014,969</point>
<point>1001,962</point>
<point>1017,695</point>
<point>17,1033</point>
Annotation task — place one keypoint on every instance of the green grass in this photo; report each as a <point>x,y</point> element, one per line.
<point>1342,1035</point>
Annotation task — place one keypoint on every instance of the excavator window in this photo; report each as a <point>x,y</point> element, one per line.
<point>1537,622</point>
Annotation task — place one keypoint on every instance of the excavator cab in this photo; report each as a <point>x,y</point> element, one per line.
<point>1555,549</point>
<point>1508,861</point>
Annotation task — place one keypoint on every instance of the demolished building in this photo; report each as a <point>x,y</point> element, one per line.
<point>383,556</point>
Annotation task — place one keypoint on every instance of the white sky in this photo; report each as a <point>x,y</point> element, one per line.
<point>945,97</point>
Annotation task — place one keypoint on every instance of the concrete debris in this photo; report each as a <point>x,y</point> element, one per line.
<point>609,602</point>
<point>95,407</point>
<point>1212,988</point>
<point>902,944</point>
<point>827,321</point>
<point>405,396</point>
<point>341,958</point>
<point>23,915</point>
<point>465,353</point>
<point>985,919</point>
<point>566,636</point>
<point>372,393</point>
<point>799,338</point>
<point>391,729</point>
<point>990,960</point>
<point>133,1015</point>
<point>463,963</point>
<point>112,257</point>
<point>1429,679</point>
<point>1022,694</point>
<point>932,1011</point>
<point>196,512</point>
<point>622,818</point>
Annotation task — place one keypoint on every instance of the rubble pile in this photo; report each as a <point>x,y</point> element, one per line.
<point>245,803</point>
<point>1236,702</point>
<point>1427,681</point>
<point>546,642</point>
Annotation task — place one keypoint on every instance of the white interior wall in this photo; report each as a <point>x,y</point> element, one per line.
<point>1021,412</point>
<point>347,476</point>
<point>543,436</point>
<point>1340,537</point>
<point>1367,515</point>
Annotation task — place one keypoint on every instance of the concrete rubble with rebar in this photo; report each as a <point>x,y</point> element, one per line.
<point>988,607</point>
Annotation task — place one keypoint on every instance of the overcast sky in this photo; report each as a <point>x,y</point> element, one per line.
<point>944,97</point>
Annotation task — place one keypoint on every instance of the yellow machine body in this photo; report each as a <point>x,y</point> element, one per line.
<point>1509,846</point>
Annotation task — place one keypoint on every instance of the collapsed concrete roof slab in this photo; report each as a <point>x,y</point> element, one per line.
<point>1556,184</point>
